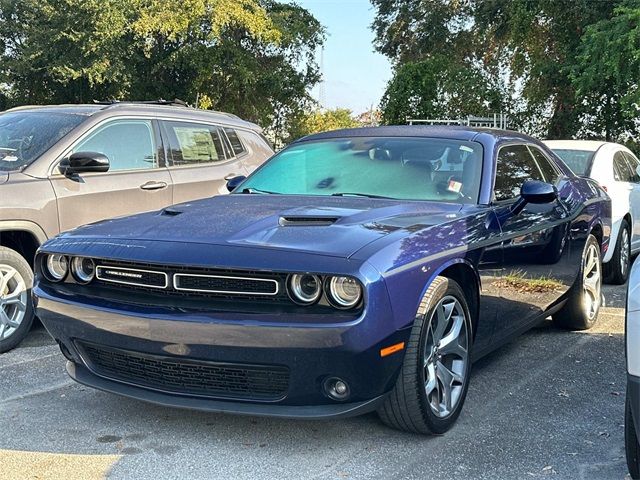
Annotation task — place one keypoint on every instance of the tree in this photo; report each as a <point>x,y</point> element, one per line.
<point>254,58</point>
<point>321,121</point>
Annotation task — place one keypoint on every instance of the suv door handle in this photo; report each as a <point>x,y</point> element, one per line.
<point>153,185</point>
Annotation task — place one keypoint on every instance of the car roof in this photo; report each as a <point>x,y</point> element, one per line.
<point>142,108</point>
<point>586,145</point>
<point>436,131</point>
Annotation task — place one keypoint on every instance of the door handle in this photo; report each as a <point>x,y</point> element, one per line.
<point>153,185</point>
<point>231,175</point>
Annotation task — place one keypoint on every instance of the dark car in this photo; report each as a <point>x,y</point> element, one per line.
<point>356,270</point>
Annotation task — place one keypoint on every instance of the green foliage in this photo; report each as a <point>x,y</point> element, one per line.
<point>317,121</point>
<point>254,58</point>
<point>558,67</point>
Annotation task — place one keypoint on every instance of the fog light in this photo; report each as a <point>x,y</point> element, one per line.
<point>337,389</point>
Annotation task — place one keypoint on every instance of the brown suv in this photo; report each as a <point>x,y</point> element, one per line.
<point>65,166</point>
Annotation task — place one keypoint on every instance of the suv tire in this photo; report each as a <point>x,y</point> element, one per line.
<point>16,307</point>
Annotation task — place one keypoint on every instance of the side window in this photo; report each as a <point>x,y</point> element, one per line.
<point>549,171</point>
<point>193,143</point>
<point>515,165</point>
<point>128,144</point>
<point>236,144</point>
<point>621,169</point>
<point>634,165</point>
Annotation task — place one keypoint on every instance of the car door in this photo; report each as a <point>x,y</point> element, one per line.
<point>537,267</point>
<point>634,198</point>
<point>201,159</point>
<point>137,179</point>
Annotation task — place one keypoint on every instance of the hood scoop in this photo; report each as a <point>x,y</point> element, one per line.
<point>307,221</point>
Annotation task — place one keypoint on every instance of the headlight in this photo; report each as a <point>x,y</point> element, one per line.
<point>56,267</point>
<point>344,292</point>
<point>304,289</point>
<point>83,269</point>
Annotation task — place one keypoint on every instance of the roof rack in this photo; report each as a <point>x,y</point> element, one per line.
<point>161,101</point>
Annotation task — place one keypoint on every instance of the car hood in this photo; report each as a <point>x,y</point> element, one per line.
<point>334,226</point>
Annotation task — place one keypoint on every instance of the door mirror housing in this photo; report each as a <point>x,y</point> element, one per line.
<point>233,183</point>
<point>84,162</point>
<point>536,193</point>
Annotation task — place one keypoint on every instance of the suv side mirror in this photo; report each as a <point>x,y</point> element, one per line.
<point>233,182</point>
<point>535,192</point>
<point>84,162</point>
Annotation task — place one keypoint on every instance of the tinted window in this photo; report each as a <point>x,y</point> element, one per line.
<point>634,165</point>
<point>24,136</point>
<point>193,143</point>
<point>236,143</point>
<point>579,161</point>
<point>621,168</point>
<point>129,144</point>
<point>515,165</point>
<point>550,173</point>
<point>403,168</point>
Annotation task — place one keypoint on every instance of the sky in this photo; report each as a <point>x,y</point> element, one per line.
<point>355,77</point>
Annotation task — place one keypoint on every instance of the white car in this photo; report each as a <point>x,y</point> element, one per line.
<point>618,171</point>
<point>632,422</point>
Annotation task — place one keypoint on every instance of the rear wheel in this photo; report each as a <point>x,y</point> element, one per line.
<point>580,312</point>
<point>16,309</point>
<point>617,270</point>
<point>433,382</point>
<point>632,444</point>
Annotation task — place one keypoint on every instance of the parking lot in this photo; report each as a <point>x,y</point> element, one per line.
<point>550,404</point>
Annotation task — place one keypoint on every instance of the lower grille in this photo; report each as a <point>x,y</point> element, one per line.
<point>206,379</point>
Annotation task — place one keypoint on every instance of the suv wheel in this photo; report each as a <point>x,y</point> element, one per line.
<point>433,382</point>
<point>16,308</point>
<point>617,270</point>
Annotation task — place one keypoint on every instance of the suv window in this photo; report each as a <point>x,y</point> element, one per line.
<point>549,172</point>
<point>236,143</point>
<point>621,170</point>
<point>634,165</point>
<point>128,144</point>
<point>193,143</point>
<point>515,165</point>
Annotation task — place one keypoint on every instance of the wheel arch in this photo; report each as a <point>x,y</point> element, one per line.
<point>23,237</point>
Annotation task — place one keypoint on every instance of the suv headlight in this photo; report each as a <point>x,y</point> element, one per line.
<point>56,267</point>
<point>83,269</point>
<point>343,292</point>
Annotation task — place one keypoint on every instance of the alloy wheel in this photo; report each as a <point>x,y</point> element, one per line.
<point>625,245</point>
<point>13,300</point>
<point>446,356</point>
<point>592,282</point>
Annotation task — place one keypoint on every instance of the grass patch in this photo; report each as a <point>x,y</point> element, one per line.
<point>518,281</point>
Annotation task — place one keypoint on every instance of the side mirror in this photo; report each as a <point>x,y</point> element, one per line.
<point>84,162</point>
<point>233,182</point>
<point>536,193</point>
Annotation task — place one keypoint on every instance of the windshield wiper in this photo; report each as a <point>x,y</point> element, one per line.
<point>367,195</point>
<point>257,191</point>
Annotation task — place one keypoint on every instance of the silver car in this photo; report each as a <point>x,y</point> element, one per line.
<point>69,165</point>
<point>632,423</point>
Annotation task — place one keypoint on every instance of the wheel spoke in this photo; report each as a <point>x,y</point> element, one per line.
<point>431,383</point>
<point>450,345</point>
<point>444,313</point>
<point>14,299</point>
<point>6,277</point>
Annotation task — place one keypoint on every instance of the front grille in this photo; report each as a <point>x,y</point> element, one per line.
<point>188,377</point>
<point>225,284</point>
<point>132,276</point>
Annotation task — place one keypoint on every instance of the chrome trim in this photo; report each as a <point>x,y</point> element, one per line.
<point>266,280</point>
<point>103,267</point>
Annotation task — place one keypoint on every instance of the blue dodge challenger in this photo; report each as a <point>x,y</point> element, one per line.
<point>357,270</point>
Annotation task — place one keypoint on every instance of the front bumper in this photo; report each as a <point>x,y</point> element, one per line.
<point>311,353</point>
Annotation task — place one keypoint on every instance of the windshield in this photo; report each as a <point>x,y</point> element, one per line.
<point>24,136</point>
<point>399,168</point>
<point>579,161</point>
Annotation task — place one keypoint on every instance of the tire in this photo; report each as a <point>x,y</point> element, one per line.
<point>631,443</point>
<point>16,307</point>
<point>617,270</point>
<point>580,312</point>
<point>427,361</point>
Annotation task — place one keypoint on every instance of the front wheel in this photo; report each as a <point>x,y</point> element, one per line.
<point>580,312</point>
<point>16,309</point>
<point>434,378</point>
<point>632,444</point>
<point>617,270</point>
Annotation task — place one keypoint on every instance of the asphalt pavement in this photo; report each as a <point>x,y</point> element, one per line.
<point>548,405</point>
